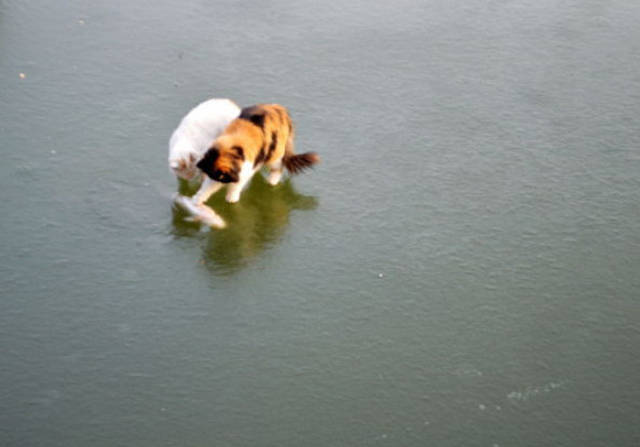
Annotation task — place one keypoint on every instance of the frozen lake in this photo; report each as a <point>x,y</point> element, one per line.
<point>463,268</point>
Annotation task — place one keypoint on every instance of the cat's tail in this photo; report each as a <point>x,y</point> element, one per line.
<point>296,163</point>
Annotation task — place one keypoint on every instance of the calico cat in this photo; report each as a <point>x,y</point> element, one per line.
<point>193,136</point>
<point>261,136</point>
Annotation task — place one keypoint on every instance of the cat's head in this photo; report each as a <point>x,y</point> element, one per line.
<point>223,161</point>
<point>184,166</point>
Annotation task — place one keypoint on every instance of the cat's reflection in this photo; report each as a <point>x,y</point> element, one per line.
<point>254,223</point>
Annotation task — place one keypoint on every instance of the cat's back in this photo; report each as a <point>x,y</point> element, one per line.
<point>203,124</point>
<point>210,116</point>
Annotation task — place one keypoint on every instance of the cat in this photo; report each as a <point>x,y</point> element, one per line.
<point>261,136</point>
<point>193,136</point>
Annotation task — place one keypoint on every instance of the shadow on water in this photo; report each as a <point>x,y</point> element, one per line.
<point>255,223</point>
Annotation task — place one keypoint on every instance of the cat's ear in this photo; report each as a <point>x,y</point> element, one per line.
<point>177,165</point>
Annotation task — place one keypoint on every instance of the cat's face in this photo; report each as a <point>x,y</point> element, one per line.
<point>184,167</point>
<point>222,162</point>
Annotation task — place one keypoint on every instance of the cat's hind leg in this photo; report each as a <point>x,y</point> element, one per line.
<point>275,172</point>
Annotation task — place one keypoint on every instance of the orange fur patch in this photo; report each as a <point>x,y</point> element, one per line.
<point>262,135</point>
<point>264,132</point>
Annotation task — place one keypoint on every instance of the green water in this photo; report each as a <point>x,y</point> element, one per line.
<point>461,269</point>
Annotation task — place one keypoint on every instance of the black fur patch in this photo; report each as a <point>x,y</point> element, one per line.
<point>274,143</point>
<point>253,114</point>
<point>298,163</point>
<point>260,157</point>
<point>207,163</point>
<point>227,177</point>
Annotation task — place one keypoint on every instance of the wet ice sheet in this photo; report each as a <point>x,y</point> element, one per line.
<point>481,156</point>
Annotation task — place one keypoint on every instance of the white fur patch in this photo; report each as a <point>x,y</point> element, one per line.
<point>235,189</point>
<point>207,188</point>
<point>196,132</point>
<point>275,173</point>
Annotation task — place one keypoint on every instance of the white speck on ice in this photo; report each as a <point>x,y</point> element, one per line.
<point>380,275</point>
<point>482,407</point>
<point>53,152</point>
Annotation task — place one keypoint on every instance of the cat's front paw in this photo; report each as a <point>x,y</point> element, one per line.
<point>232,198</point>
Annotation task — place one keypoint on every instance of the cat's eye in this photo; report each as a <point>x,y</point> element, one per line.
<point>239,152</point>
